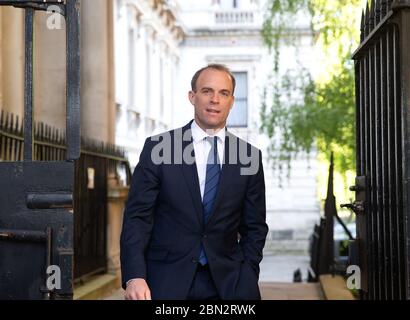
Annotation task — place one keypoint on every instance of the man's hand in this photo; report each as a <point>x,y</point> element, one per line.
<point>137,289</point>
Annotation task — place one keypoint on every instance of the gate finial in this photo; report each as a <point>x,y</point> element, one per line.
<point>362,28</point>
<point>377,12</point>
<point>383,8</point>
<point>372,21</point>
<point>6,123</point>
<point>367,22</point>
<point>17,126</point>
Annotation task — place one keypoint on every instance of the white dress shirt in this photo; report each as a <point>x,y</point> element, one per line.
<point>202,148</point>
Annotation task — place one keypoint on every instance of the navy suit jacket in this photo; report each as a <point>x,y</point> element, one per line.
<point>163,225</point>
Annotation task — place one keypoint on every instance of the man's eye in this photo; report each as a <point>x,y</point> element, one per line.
<point>225,94</point>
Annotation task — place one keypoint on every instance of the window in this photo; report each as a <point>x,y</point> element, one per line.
<point>238,116</point>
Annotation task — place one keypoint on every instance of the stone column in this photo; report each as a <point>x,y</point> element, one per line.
<point>111,72</point>
<point>141,65</point>
<point>149,114</point>
<point>50,69</point>
<point>12,52</point>
<point>161,88</point>
<point>174,88</point>
<point>117,195</point>
<point>168,94</point>
<point>96,87</point>
<point>150,34</point>
<point>155,85</point>
<point>1,61</point>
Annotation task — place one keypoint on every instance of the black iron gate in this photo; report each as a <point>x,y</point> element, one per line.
<point>36,198</point>
<point>91,204</point>
<point>99,162</point>
<point>382,64</point>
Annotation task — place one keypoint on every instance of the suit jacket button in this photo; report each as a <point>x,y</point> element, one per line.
<point>194,260</point>
<point>204,236</point>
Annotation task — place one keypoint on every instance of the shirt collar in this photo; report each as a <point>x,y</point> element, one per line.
<point>198,134</point>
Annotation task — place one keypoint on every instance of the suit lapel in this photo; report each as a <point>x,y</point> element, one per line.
<point>190,174</point>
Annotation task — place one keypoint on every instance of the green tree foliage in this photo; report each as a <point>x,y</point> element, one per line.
<point>301,112</point>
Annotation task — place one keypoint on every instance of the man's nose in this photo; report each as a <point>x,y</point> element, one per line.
<point>215,98</point>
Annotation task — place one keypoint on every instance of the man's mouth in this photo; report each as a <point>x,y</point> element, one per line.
<point>213,111</point>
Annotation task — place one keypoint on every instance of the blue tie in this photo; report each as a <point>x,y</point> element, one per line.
<point>213,173</point>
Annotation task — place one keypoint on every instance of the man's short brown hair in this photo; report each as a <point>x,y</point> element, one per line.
<point>214,66</point>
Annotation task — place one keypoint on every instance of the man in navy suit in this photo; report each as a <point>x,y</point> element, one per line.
<point>194,224</point>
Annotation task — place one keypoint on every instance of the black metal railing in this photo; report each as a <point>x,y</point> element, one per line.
<point>324,250</point>
<point>97,162</point>
<point>383,168</point>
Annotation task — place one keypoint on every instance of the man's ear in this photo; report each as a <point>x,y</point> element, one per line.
<point>233,101</point>
<point>191,95</point>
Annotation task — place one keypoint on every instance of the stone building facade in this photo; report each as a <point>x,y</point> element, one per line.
<point>137,60</point>
<point>229,32</point>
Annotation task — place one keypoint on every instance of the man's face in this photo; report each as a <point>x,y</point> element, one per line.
<point>213,99</point>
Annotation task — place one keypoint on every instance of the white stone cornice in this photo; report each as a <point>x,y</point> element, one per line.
<point>233,58</point>
<point>225,41</point>
<point>224,32</point>
<point>160,14</point>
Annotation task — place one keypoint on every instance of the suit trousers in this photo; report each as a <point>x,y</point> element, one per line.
<point>203,286</point>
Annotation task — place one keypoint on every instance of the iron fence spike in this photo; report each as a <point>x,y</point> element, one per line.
<point>6,125</point>
<point>377,12</point>
<point>383,8</point>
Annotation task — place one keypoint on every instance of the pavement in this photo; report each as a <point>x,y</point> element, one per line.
<point>280,268</point>
<point>275,280</point>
